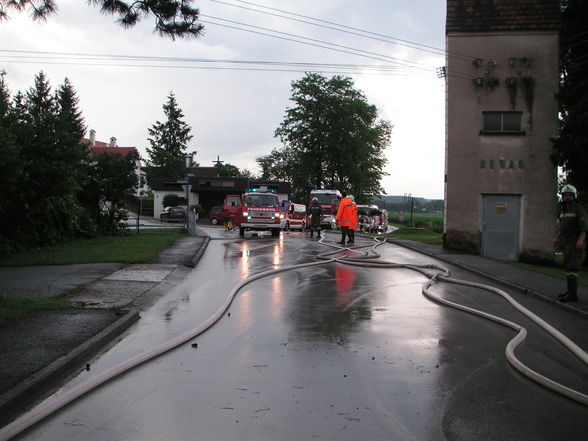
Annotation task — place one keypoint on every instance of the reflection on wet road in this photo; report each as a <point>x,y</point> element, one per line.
<point>328,352</point>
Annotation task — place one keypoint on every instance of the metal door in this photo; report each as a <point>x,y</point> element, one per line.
<point>500,226</point>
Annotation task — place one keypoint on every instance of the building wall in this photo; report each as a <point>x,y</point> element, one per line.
<point>478,163</point>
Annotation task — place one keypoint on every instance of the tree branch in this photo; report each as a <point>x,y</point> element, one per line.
<point>173,18</point>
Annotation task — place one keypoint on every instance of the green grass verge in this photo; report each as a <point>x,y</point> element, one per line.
<point>417,234</point>
<point>551,271</point>
<point>133,248</point>
<point>431,237</point>
<point>12,308</point>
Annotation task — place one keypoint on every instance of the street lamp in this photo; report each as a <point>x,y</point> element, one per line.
<point>189,159</point>
<point>141,194</point>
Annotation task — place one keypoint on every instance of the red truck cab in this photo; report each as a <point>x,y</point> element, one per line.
<point>329,200</point>
<point>254,210</point>
<point>232,208</point>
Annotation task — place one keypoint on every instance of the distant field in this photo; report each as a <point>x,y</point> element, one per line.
<point>417,234</point>
<point>429,221</point>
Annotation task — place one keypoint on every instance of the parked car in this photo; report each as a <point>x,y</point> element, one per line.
<point>216,215</point>
<point>173,214</point>
<point>296,217</point>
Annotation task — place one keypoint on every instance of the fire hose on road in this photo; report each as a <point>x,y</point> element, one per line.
<point>363,259</point>
<point>443,276</point>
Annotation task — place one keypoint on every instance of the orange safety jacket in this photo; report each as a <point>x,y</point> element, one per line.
<point>354,222</point>
<point>345,213</point>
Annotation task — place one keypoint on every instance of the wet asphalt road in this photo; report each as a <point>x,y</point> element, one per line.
<point>330,353</point>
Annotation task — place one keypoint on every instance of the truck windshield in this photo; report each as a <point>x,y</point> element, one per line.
<point>261,200</point>
<point>328,198</point>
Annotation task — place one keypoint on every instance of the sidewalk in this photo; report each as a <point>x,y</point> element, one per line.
<point>37,353</point>
<point>526,281</point>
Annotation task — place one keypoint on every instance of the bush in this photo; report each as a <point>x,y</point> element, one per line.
<point>197,208</point>
<point>171,200</point>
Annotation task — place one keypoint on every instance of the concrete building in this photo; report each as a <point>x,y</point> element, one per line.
<point>502,80</point>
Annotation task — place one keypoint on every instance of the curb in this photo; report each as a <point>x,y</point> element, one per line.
<point>194,261</point>
<point>16,400</point>
<point>523,290</point>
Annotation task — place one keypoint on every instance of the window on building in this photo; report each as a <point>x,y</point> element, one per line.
<point>502,123</point>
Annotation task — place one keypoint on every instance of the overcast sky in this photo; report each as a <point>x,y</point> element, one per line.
<point>234,112</point>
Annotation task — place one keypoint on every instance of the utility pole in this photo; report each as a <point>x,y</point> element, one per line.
<point>406,197</point>
<point>217,163</point>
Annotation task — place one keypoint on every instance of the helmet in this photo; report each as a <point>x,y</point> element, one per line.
<point>570,189</point>
<point>315,199</point>
<point>351,197</point>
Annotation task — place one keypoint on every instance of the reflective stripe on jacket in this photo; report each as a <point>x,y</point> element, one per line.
<point>354,222</point>
<point>345,212</point>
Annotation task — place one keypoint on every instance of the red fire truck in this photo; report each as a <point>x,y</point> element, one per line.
<point>372,219</point>
<point>329,200</point>
<point>256,209</point>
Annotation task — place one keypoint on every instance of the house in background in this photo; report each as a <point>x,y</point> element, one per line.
<point>502,79</point>
<point>100,147</point>
<point>202,186</point>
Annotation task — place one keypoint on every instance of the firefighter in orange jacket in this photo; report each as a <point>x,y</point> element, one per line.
<point>354,222</point>
<point>344,216</point>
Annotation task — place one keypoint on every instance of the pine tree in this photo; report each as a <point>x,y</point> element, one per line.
<point>54,162</point>
<point>173,18</point>
<point>168,140</point>
<point>11,174</point>
<point>68,110</point>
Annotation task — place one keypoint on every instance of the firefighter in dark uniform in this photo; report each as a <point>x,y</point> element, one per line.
<point>316,213</point>
<point>571,239</point>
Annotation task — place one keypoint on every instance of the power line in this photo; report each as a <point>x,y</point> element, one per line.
<point>211,68</point>
<point>360,32</point>
<point>319,43</point>
<point>402,65</point>
<point>348,29</point>
<point>99,56</point>
<point>345,49</point>
<point>567,39</point>
<point>112,60</point>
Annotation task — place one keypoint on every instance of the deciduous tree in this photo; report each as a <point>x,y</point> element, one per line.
<point>111,181</point>
<point>332,138</point>
<point>229,170</point>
